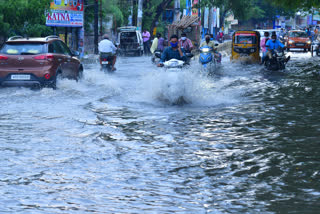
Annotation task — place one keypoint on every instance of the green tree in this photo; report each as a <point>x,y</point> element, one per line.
<point>24,17</point>
<point>152,11</point>
<point>296,4</point>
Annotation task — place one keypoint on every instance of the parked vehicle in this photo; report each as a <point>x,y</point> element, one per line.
<point>129,41</point>
<point>297,39</point>
<point>37,62</point>
<point>277,62</point>
<point>246,46</point>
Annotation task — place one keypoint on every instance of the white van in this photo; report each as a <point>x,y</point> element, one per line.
<point>129,40</point>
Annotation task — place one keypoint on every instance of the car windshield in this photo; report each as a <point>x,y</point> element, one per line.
<point>245,39</point>
<point>299,34</point>
<point>21,48</point>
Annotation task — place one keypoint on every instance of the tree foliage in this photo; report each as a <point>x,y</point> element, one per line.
<point>23,17</point>
<point>296,4</point>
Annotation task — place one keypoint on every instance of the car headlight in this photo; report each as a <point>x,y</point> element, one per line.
<point>308,42</point>
<point>290,41</point>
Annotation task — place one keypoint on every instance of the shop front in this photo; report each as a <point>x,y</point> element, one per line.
<point>66,18</point>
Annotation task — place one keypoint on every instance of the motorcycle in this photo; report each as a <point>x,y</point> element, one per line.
<point>106,62</point>
<point>277,62</point>
<point>156,56</point>
<point>207,58</point>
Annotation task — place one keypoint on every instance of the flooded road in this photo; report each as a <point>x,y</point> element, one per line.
<point>247,142</point>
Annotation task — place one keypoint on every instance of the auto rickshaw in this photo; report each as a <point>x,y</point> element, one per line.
<point>246,47</point>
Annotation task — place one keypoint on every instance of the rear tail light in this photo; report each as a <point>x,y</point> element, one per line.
<point>47,76</point>
<point>48,57</point>
<point>105,59</point>
<point>3,57</point>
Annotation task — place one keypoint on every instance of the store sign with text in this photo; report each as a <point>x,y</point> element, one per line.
<point>65,13</point>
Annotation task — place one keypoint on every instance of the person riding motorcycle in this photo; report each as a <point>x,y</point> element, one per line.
<point>210,43</point>
<point>107,48</point>
<point>172,52</point>
<point>273,44</point>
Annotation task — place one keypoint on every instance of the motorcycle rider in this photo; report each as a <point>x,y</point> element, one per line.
<point>173,52</point>
<point>107,48</point>
<point>273,44</point>
<point>210,43</point>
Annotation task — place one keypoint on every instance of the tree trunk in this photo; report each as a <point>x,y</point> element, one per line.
<point>161,7</point>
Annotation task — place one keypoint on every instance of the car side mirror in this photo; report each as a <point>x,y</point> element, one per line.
<point>75,53</point>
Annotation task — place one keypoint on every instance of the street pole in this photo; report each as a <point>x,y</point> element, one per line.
<point>96,10</point>
<point>139,17</point>
<point>100,13</point>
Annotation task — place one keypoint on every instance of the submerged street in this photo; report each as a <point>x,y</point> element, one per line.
<point>247,142</point>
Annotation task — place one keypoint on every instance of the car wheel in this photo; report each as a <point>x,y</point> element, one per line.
<point>57,79</point>
<point>80,74</point>
<point>309,49</point>
<point>288,49</point>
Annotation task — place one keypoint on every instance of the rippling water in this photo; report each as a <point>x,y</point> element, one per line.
<point>247,142</point>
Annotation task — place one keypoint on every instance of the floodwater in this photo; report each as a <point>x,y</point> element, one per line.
<point>248,141</point>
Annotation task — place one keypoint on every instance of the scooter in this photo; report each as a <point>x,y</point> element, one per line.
<point>174,91</point>
<point>156,56</point>
<point>106,63</point>
<point>207,59</point>
<point>277,62</point>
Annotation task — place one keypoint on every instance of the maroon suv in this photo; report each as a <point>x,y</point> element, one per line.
<point>37,62</point>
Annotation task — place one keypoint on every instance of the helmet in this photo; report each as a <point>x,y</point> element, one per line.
<point>105,36</point>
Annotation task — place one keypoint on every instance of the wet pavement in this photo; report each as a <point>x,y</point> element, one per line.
<point>246,142</point>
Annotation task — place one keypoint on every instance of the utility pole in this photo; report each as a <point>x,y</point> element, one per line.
<point>176,10</point>
<point>100,13</point>
<point>96,10</point>
<point>140,14</point>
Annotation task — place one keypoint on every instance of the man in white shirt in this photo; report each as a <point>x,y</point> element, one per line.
<point>107,48</point>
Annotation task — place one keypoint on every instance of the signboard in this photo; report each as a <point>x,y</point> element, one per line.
<point>65,13</point>
<point>218,17</point>
<point>234,22</point>
<point>195,11</point>
<point>214,17</point>
<point>316,17</point>
<point>206,18</point>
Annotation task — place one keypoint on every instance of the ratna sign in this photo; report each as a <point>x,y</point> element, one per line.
<point>65,13</point>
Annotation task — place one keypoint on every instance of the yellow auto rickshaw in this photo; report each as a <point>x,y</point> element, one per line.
<point>246,46</point>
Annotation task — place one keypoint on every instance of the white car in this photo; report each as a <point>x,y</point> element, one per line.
<point>129,41</point>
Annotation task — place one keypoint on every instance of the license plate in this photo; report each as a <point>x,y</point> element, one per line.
<point>20,77</point>
<point>299,44</point>
<point>105,63</point>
